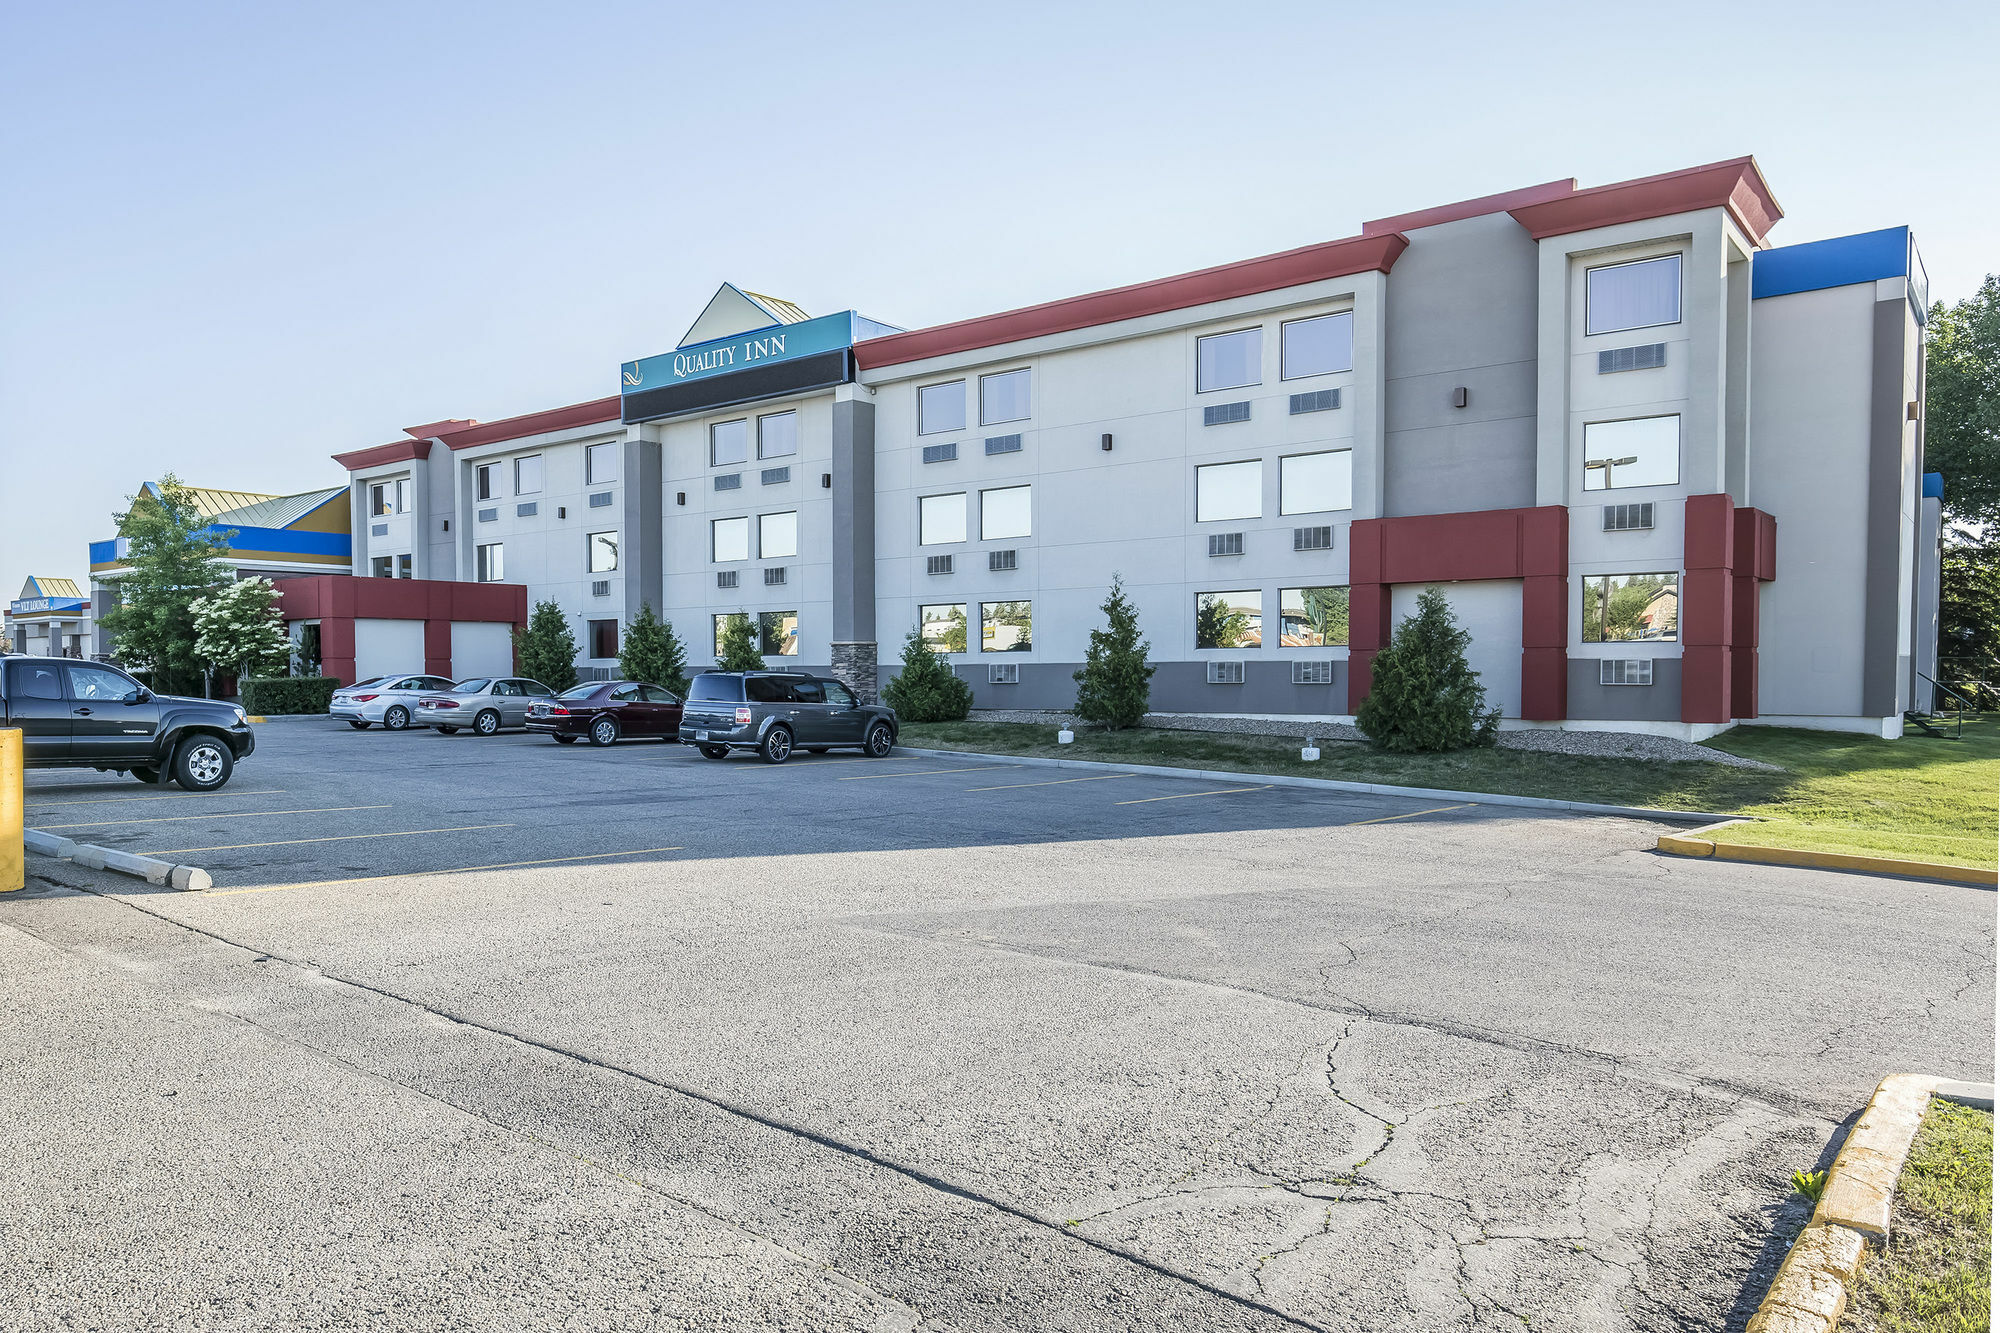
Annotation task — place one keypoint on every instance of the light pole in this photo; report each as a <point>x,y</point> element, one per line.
<point>1607,464</point>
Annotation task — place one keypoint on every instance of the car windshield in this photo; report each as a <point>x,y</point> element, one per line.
<point>581,691</point>
<point>723,689</point>
<point>474,686</point>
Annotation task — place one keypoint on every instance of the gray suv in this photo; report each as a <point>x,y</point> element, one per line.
<point>777,712</point>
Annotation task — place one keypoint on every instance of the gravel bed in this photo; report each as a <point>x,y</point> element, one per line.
<point>1609,744</point>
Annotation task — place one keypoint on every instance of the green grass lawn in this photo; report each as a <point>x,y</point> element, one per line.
<point>1916,798</point>
<point>1935,1274</point>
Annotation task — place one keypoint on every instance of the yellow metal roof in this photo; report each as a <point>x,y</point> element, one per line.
<point>786,312</point>
<point>209,501</point>
<point>40,585</point>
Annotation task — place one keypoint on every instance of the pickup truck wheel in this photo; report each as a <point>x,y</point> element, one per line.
<point>716,751</point>
<point>880,741</point>
<point>776,746</point>
<point>361,726</point>
<point>604,731</point>
<point>203,764</point>
<point>486,723</point>
<point>149,775</point>
<point>396,719</point>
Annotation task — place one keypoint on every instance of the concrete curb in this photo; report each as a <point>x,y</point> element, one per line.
<point>1811,1290</point>
<point>1333,784</point>
<point>93,857</point>
<point>1692,843</point>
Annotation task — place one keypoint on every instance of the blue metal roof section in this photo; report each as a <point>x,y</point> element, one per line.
<point>1838,262</point>
<point>1933,485</point>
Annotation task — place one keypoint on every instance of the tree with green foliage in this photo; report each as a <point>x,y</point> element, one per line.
<point>239,629</point>
<point>1962,404</point>
<point>1969,621</point>
<point>653,653</point>
<point>928,690</point>
<point>1424,695</point>
<point>736,647</point>
<point>1217,624</point>
<point>1115,684</point>
<point>170,565</point>
<point>546,650</point>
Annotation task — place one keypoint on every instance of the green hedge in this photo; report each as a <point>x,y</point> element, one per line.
<point>269,695</point>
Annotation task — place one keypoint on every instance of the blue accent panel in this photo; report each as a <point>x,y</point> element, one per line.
<point>1933,485</point>
<point>54,606</point>
<point>1839,262</point>
<point>286,541</point>
<point>102,553</point>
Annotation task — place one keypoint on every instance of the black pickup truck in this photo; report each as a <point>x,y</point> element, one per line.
<point>75,714</point>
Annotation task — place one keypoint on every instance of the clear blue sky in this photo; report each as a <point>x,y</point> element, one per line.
<point>235,239</point>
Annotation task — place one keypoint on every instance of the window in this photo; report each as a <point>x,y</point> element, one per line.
<point>1006,627</point>
<point>655,695</point>
<point>728,442</point>
<point>34,681</point>
<point>403,570</point>
<point>1631,608</point>
<point>778,633</point>
<point>382,567</point>
<point>96,682</point>
<point>1005,513</point>
<point>1229,619</point>
<point>487,481</point>
<point>1309,483</point>
<point>603,638</point>
<point>767,690</point>
<point>603,547</point>
<point>722,624</point>
<point>1645,451</point>
<point>402,495</point>
<point>1003,397</point>
<point>837,694</point>
<point>528,475</point>
<point>778,535</point>
<point>941,407</point>
<point>944,626</point>
<point>600,464</point>
<point>625,694</point>
<point>1229,490</point>
<point>1312,617</point>
<point>380,498</point>
<point>941,518</point>
<point>492,562</point>
<point>729,539</point>
<point>1318,346</point>
<point>1640,295</point>
<point>1229,360</point>
<point>778,435</point>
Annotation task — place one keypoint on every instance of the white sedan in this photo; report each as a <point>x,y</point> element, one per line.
<point>390,700</point>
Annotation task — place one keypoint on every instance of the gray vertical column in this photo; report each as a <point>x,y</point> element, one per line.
<point>420,518</point>
<point>357,527</point>
<point>1882,642</point>
<point>855,656</point>
<point>641,531</point>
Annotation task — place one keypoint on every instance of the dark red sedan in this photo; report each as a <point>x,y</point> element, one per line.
<point>603,712</point>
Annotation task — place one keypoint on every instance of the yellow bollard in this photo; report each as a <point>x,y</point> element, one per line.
<point>13,864</point>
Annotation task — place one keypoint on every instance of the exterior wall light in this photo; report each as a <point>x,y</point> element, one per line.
<point>680,497</point>
<point>826,481</point>
<point>1106,443</point>
<point>1460,396</point>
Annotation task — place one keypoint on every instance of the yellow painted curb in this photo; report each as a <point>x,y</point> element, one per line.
<point>1693,844</point>
<point>257,719</point>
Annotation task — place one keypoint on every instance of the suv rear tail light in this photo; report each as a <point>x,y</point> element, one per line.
<point>742,717</point>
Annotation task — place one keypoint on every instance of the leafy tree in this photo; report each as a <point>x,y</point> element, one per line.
<point>1115,683</point>
<point>239,629</point>
<point>736,650</point>
<point>546,650</point>
<point>1962,404</point>
<point>652,652</point>
<point>928,690</point>
<point>171,566</point>
<point>1425,695</point>
<point>1217,624</point>
<point>1969,615</point>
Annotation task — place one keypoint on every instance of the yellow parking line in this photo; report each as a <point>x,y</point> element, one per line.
<point>1435,810</point>
<point>1014,786</point>
<point>238,814</point>
<point>171,796</point>
<point>1182,796</point>
<point>449,870</point>
<point>298,842</point>
<point>927,772</point>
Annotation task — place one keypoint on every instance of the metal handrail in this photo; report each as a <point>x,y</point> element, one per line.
<point>1957,714</point>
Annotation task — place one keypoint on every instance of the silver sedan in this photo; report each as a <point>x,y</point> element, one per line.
<point>390,700</point>
<point>482,705</point>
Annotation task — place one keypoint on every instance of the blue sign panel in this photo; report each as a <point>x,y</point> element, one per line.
<point>780,342</point>
<point>35,606</point>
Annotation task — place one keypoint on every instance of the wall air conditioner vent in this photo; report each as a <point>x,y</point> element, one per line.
<point>940,453</point>
<point>997,561</point>
<point>600,588</point>
<point>488,515</point>
<point>937,564</point>
<point>1222,414</point>
<point>1629,517</point>
<point>528,510</point>
<point>1003,673</point>
<point>1317,671</point>
<point>1225,543</point>
<point>600,500</point>
<point>774,576</point>
<point>1225,673</point>
<point>1625,671</point>
<point>378,530</point>
<point>726,578</point>
<point>1323,401</point>
<point>776,475</point>
<point>1312,539</point>
<point>1650,356</point>
<point>1003,444</point>
<point>729,481</point>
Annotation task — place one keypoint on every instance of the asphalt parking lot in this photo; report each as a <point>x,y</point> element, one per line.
<point>494,1032</point>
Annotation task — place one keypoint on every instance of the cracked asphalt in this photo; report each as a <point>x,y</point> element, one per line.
<point>479,1034</point>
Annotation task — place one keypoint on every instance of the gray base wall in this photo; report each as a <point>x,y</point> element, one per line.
<point>1178,687</point>
<point>1658,702</point>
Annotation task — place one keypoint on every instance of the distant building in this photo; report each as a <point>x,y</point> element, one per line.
<point>51,618</point>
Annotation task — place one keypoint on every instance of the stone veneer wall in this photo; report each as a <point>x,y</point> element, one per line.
<point>855,667</point>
